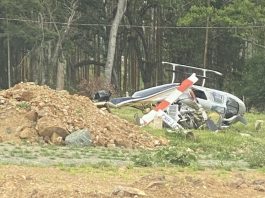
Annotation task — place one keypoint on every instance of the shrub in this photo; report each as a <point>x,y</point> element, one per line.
<point>24,105</point>
<point>90,87</point>
<point>166,156</point>
<point>256,157</point>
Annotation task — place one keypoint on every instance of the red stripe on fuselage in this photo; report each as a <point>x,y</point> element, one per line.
<point>184,85</point>
<point>163,105</point>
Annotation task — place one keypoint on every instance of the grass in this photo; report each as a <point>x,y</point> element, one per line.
<point>23,105</point>
<point>238,142</point>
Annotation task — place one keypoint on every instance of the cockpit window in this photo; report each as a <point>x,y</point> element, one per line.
<point>218,98</point>
<point>232,106</point>
<point>199,94</point>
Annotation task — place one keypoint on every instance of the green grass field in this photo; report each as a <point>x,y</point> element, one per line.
<point>239,146</point>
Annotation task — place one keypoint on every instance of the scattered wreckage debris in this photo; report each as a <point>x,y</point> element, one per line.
<point>183,105</point>
<point>34,113</point>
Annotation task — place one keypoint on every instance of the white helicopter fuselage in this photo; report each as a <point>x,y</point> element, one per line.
<point>219,101</point>
<point>210,99</point>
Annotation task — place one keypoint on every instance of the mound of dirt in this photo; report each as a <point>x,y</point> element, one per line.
<point>36,113</point>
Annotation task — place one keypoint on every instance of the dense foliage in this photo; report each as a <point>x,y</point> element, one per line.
<point>62,42</point>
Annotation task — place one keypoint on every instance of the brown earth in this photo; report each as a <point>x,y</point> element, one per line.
<point>35,113</point>
<point>19,181</point>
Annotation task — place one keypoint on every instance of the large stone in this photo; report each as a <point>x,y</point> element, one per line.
<point>32,116</point>
<point>56,139</point>
<point>46,126</point>
<point>2,100</point>
<point>156,184</point>
<point>79,138</point>
<point>258,124</point>
<point>125,191</point>
<point>48,131</point>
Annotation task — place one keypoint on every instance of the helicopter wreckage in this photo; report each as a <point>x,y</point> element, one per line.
<point>182,105</point>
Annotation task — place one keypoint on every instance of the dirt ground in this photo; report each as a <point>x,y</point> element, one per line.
<point>37,114</point>
<point>19,181</point>
<point>33,113</point>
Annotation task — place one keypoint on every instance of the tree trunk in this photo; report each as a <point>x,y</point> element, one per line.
<point>8,59</point>
<point>58,52</point>
<point>61,74</point>
<point>206,39</point>
<point>112,39</point>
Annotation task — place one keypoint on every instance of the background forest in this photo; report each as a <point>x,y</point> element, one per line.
<point>65,43</point>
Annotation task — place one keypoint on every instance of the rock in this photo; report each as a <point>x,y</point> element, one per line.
<point>79,138</point>
<point>237,183</point>
<point>56,139</point>
<point>50,130</point>
<point>258,124</point>
<point>259,188</point>
<point>19,128</point>
<point>2,100</point>
<point>157,143</point>
<point>47,139</point>
<point>155,183</point>
<point>27,133</point>
<point>42,113</point>
<point>258,182</point>
<point>122,142</point>
<point>46,126</point>
<point>32,116</point>
<point>127,191</point>
<point>7,94</point>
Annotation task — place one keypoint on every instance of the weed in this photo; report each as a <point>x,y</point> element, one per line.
<point>78,111</point>
<point>24,105</point>
<point>144,159</point>
<point>256,157</point>
<point>165,156</point>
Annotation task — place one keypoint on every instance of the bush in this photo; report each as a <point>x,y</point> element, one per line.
<point>256,157</point>
<point>23,105</point>
<point>165,156</point>
<point>90,87</point>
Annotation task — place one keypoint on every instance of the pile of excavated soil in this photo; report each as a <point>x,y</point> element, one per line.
<point>33,113</point>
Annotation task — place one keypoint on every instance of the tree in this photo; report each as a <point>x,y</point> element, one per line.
<point>252,83</point>
<point>112,39</point>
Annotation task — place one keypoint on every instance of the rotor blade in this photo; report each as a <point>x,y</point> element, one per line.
<point>171,70</point>
<point>196,68</point>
